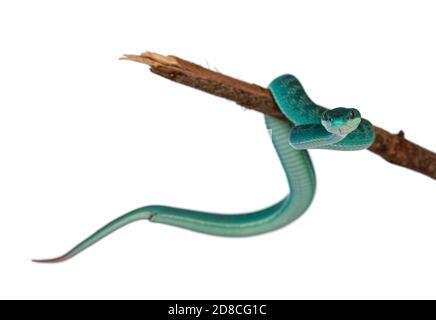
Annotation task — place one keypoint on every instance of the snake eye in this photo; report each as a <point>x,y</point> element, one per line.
<point>352,115</point>
<point>324,116</point>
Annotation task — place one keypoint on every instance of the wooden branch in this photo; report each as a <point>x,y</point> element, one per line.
<point>394,148</point>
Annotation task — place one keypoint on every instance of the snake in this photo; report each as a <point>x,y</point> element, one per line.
<point>310,126</point>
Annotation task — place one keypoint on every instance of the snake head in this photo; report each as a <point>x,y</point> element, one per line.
<point>341,121</point>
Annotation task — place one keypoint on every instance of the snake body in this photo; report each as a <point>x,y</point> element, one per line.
<point>314,127</point>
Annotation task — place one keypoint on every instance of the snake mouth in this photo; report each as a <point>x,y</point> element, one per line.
<point>338,131</point>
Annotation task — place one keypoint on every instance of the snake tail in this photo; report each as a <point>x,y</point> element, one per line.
<point>139,214</point>
<point>301,179</point>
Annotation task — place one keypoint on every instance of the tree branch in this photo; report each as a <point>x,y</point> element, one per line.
<point>394,148</point>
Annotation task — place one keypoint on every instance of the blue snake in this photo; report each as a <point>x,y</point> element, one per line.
<point>313,127</point>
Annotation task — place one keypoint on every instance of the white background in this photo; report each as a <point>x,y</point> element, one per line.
<point>85,137</point>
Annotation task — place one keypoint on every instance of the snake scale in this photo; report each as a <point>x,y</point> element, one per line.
<point>313,127</point>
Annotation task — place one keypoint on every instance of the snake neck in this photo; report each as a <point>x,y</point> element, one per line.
<point>312,136</point>
<point>335,138</point>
